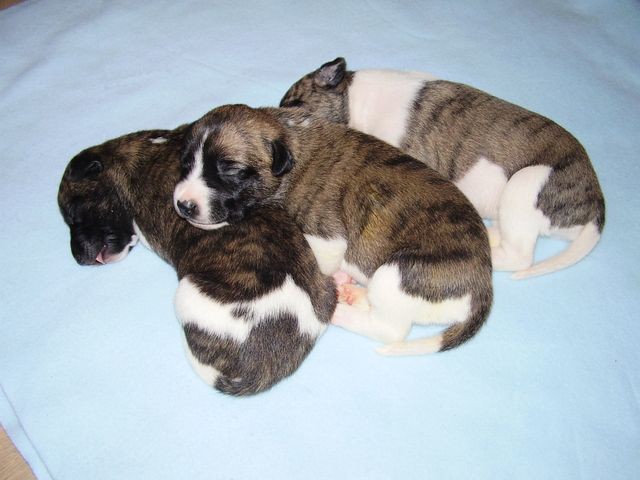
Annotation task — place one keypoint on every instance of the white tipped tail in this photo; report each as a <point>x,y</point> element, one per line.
<point>586,240</point>
<point>421,346</point>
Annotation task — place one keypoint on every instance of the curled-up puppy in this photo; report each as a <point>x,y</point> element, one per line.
<point>389,221</point>
<point>251,299</point>
<point>519,169</point>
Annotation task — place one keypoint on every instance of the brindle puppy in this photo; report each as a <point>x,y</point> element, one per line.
<point>251,298</point>
<point>388,220</point>
<point>518,168</point>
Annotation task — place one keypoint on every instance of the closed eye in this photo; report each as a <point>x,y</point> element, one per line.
<point>230,169</point>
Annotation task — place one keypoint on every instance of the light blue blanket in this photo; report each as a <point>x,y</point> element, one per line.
<point>94,381</point>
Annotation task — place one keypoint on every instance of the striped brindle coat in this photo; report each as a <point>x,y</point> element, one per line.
<point>251,299</point>
<point>519,169</point>
<point>389,221</point>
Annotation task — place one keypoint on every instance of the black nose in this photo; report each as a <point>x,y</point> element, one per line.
<point>187,208</point>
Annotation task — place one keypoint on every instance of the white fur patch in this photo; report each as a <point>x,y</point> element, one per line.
<point>192,306</point>
<point>380,102</point>
<point>205,372</point>
<point>141,238</point>
<point>289,298</point>
<point>193,188</point>
<point>328,252</point>
<point>385,291</point>
<point>483,184</point>
<point>519,220</point>
<point>392,311</point>
<point>158,140</point>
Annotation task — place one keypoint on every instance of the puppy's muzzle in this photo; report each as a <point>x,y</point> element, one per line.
<point>187,208</point>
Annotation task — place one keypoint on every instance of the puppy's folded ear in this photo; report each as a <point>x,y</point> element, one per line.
<point>282,159</point>
<point>331,73</point>
<point>85,165</point>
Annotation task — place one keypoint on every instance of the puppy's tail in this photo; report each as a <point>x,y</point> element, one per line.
<point>586,240</point>
<point>451,337</point>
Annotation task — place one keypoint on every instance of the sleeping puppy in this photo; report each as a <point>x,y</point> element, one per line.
<point>519,169</point>
<point>251,299</point>
<point>389,221</point>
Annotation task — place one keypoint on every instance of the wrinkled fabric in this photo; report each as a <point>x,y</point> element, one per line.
<point>94,380</point>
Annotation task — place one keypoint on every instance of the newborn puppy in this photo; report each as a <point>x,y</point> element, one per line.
<point>518,168</point>
<point>386,219</point>
<point>251,299</point>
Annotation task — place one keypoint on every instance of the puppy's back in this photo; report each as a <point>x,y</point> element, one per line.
<point>254,313</point>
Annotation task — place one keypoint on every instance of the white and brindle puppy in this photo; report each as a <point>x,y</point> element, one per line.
<point>251,299</point>
<point>389,221</point>
<point>519,169</point>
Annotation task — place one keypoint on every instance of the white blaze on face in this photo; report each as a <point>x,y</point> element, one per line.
<point>194,188</point>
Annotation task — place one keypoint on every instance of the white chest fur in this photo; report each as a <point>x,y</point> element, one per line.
<point>380,102</point>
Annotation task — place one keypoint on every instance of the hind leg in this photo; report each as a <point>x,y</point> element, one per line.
<point>372,323</point>
<point>385,314</point>
<point>520,222</point>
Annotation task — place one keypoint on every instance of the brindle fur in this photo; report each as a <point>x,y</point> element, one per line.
<point>451,125</point>
<point>235,264</point>
<point>390,208</point>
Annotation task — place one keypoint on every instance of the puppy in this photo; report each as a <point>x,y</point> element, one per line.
<point>389,221</point>
<point>251,299</point>
<point>519,169</point>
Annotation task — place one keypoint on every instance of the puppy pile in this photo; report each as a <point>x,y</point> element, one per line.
<point>280,220</point>
<point>251,299</point>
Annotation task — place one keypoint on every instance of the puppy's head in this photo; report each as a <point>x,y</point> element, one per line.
<point>234,158</point>
<point>323,92</point>
<point>90,199</point>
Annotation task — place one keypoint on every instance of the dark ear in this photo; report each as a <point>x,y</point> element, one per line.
<point>331,73</point>
<point>85,165</point>
<point>282,158</point>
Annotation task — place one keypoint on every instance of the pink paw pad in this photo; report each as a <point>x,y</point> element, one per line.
<point>352,294</point>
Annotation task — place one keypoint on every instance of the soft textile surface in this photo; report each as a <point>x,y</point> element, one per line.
<point>94,381</point>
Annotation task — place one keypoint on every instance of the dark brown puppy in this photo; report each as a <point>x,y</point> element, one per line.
<point>251,298</point>
<point>521,170</point>
<point>386,219</point>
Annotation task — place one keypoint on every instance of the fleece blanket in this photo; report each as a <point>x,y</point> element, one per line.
<point>94,380</point>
